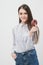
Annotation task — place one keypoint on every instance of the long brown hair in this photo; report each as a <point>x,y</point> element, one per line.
<point>30,18</point>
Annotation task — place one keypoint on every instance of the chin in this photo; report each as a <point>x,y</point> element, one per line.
<point>24,21</point>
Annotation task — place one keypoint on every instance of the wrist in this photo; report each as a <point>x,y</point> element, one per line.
<point>30,34</point>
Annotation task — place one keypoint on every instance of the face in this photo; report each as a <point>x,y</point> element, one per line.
<point>23,15</point>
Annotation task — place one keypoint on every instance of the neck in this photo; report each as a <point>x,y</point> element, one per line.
<point>23,23</point>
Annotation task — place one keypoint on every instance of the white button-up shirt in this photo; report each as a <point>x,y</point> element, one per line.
<point>21,40</point>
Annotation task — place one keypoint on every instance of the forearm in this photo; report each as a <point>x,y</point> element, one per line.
<point>34,33</point>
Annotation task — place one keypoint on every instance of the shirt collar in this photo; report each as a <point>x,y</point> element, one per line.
<point>23,24</point>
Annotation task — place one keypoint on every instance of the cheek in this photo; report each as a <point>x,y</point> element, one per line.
<point>23,16</point>
<point>26,16</point>
<point>20,16</point>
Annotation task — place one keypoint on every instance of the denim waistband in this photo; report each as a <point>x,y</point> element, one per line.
<point>25,51</point>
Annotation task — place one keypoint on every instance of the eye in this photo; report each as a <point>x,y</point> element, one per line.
<point>20,13</point>
<point>25,13</point>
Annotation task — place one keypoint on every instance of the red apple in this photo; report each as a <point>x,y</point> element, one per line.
<point>34,22</point>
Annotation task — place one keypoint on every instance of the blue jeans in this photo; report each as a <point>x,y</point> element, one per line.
<point>27,58</point>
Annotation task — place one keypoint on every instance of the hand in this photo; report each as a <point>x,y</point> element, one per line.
<point>33,29</point>
<point>14,55</point>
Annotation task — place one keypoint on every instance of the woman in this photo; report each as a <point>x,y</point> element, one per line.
<point>25,36</point>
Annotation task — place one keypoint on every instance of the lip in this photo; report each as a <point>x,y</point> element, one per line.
<point>24,18</point>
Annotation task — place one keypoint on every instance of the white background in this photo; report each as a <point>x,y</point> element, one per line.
<point>9,18</point>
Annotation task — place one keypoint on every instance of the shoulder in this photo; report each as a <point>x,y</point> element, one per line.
<point>15,27</point>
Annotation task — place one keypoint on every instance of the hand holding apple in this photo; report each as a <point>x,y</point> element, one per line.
<point>34,22</point>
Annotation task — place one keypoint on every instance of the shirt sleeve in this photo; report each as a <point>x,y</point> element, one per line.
<point>13,45</point>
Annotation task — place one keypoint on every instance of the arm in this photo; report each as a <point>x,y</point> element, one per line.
<point>34,33</point>
<point>13,48</point>
<point>35,37</point>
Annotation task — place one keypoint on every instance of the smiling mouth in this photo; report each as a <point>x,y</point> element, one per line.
<point>23,18</point>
